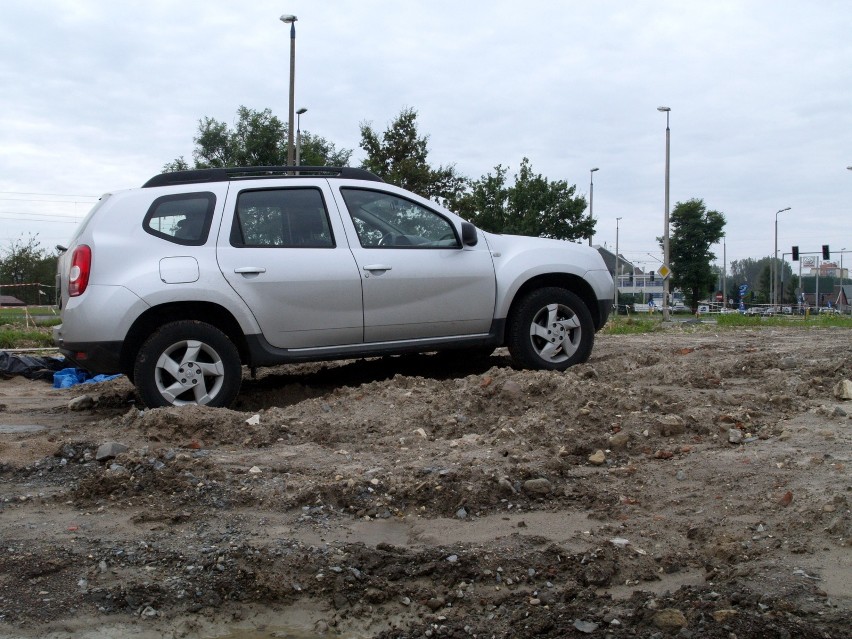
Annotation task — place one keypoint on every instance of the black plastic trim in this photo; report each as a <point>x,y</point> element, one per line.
<point>101,357</point>
<point>226,174</point>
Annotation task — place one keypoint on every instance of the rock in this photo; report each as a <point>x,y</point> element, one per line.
<point>839,411</point>
<point>788,363</point>
<point>587,627</point>
<point>681,475</point>
<point>598,458</point>
<point>81,403</point>
<point>620,440</point>
<point>511,387</point>
<point>671,425</point>
<point>254,420</point>
<point>436,603</point>
<point>721,616</point>
<point>461,513</point>
<point>539,486</point>
<point>109,450</point>
<point>506,486</point>
<point>735,436</point>
<point>843,389</point>
<point>255,470</point>
<point>669,619</point>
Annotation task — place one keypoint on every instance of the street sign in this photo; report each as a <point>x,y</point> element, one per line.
<point>664,271</point>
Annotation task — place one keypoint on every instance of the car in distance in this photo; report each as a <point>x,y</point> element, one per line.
<point>182,282</point>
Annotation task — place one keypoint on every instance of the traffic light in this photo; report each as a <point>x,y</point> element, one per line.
<point>795,253</point>
<point>825,253</point>
<point>652,276</point>
<point>631,278</point>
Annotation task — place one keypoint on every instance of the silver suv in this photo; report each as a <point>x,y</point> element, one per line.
<point>181,283</point>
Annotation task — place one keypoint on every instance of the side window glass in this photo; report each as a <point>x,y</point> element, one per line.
<point>182,219</point>
<point>282,218</point>
<point>386,220</point>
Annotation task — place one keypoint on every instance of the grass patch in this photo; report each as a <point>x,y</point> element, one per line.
<point>813,321</point>
<point>621,325</point>
<point>25,338</point>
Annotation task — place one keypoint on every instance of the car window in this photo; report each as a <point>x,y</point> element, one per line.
<point>183,219</point>
<point>282,218</point>
<point>384,220</point>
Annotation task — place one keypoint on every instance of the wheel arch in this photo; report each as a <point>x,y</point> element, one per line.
<point>568,281</point>
<point>157,316</point>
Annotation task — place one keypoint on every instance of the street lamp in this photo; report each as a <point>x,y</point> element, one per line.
<point>666,110</point>
<point>299,115</point>
<point>774,269</point>
<point>616,278</point>
<point>291,20</point>
<point>592,200</point>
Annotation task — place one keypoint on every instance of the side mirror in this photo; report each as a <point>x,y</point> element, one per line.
<point>469,235</point>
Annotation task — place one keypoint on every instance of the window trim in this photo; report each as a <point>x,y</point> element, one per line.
<point>208,217</point>
<point>236,231</point>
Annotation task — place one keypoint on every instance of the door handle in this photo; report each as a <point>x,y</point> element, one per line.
<point>377,267</point>
<point>248,270</point>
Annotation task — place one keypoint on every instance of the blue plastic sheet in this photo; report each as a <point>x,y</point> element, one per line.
<point>68,377</point>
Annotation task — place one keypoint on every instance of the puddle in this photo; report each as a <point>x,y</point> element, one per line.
<point>14,429</point>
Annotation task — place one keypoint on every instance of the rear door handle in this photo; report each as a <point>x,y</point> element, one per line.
<point>377,267</point>
<point>248,270</point>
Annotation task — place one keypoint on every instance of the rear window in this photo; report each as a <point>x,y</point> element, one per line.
<point>183,219</point>
<point>282,218</point>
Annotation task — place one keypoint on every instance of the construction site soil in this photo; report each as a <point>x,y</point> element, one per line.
<point>692,482</point>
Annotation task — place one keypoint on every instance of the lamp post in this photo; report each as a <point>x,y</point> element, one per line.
<point>299,115</point>
<point>666,110</point>
<point>774,269</point>
<point>592,200</point>
<point>291,20</point>
<point>616,278</point>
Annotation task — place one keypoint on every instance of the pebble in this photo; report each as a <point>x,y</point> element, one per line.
<point>109,450</point>
<point>598,458</point>
<point>587,627</point>
<point>81,403</point>
<point>538,486</point>
<point>681,475</point>
<point>461,513</point>
<point>735,436</point>
<point>620,440</point>
<point>843,389</point>
<point>669,619</point>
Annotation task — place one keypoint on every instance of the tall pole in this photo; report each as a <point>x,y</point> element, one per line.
<point>617,279</point>
<point>292,21</point>
<point>299,114</point>
<point>724,274</point>
<point>774,270</point>
<point>591,201</point>
<point>666,256</point>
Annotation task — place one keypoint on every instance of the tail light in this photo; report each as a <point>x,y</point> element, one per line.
<point>81,266</point>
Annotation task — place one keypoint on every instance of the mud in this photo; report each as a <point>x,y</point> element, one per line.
<point>691,483</point>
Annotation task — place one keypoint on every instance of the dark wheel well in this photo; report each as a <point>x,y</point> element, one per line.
<point>572,283</point>
<point>157,316</point>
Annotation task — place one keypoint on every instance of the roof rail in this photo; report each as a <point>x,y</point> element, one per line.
<point>225,174</point>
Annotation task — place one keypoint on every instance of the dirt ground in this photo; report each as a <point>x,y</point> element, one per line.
<point>689,483</point>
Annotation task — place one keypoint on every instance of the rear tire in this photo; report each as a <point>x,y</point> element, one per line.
<point>188,362</point>
<point>551,329</point>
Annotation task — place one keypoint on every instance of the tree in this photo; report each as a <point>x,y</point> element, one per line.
<point>693,230</point>
<point>756,273</point>
<point>27,262</point>
<point>399,156</point>
<point>257,139</point>
<point>533,205</point>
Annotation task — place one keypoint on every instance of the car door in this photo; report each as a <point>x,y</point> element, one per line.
<point>418,280</point>
<point>289,261</point>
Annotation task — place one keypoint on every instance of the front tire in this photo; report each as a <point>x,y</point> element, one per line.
<point>188,362</point>
<point>551,329</point>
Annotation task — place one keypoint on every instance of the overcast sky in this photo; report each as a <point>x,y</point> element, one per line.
<point>98,95</point>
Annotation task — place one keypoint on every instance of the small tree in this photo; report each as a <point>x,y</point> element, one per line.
<point>693,230</point>
<point>25,261</point>
<point>257,139</point>
<point>399,156</point>
<point>533,205</point>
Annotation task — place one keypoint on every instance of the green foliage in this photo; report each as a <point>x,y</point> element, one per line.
<point>257,139</point>
<point>399,156</point>
<point>533,205</point>
<point>631,325</point>
<point>25,338</point>
<point>25,261</point>
<point>693,230</point>
<point>756,273</point>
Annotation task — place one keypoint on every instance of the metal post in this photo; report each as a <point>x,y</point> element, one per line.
<point>299,114</point>
<point>666,256</point>
<point>591,201</point>
<point>616,278</point>
<point>773,271</point>
<point>724,274</point>
<point>292,21</point>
